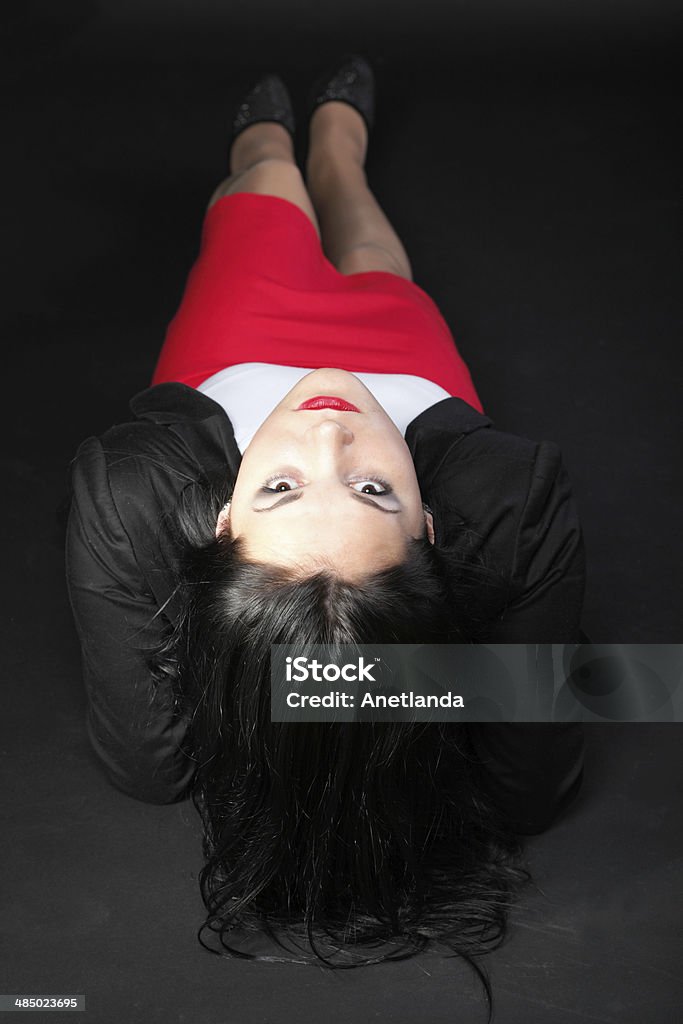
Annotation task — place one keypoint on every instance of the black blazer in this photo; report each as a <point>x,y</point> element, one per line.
<point>495,496</point>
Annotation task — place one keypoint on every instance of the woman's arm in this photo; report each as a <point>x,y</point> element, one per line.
<point>132,725</point>
<point>534,771</point>
<point>547,568</point>
<point>505,502</point>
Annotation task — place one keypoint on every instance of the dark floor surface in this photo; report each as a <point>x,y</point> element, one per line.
<point>529,162</point>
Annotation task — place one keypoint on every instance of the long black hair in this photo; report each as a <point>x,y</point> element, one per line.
<point>356,842</point>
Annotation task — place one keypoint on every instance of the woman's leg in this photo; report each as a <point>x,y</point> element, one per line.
<point>262,161</point>
<point>356,233</point>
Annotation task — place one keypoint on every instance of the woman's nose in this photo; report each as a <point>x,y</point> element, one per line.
<point>330,432</point>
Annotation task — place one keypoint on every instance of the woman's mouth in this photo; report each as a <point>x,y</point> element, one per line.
<point>328,402</point>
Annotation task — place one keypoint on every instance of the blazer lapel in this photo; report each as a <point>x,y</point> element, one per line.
<point>434,434</point>
<point>178,403</point>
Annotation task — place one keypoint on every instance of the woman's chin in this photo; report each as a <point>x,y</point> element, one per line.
<point>330,373</point>
<point>330,381</point>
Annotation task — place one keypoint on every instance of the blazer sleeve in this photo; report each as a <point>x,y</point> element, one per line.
<point>133,726</point>
<point>534,771</point>
<point>547,571</point>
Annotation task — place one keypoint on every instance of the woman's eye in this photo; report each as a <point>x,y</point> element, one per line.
<point>374,487</point>
<point>279,484</point>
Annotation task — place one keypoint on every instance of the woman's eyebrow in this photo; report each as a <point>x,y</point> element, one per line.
<point>368,501</point>
<point>292,496</point>
<point>295,495</point>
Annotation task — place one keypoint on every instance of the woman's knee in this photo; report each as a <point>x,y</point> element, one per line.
<point>273,177</point>
<point>369,256</point>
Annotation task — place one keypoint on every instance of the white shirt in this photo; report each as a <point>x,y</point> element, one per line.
<point>250,391</point>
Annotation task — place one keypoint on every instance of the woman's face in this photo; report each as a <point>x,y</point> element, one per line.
<point>327,485</point>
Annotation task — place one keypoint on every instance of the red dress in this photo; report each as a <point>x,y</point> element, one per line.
<point>262,290</point>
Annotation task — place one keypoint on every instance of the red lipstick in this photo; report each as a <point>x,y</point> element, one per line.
<point>328,402</point>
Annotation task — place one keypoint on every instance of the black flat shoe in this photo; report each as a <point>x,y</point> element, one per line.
<point>351,81</point>
<point>269,100</point>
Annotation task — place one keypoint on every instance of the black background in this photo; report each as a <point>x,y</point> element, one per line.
<point>527,154</point>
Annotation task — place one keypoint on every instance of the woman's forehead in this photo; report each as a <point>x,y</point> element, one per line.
<point>352,548</point>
